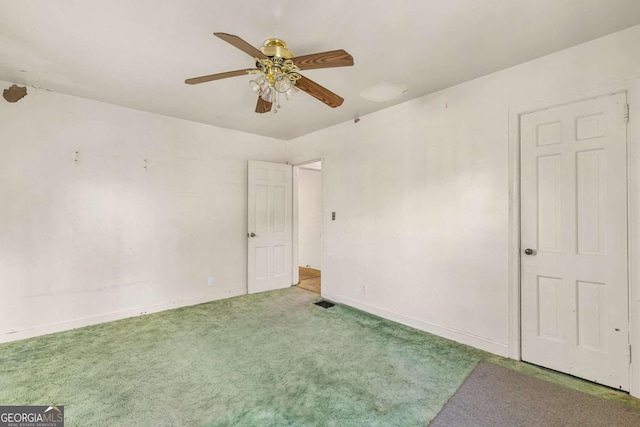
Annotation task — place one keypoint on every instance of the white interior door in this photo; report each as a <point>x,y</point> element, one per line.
<point>269,227</point>
<point>574,240</point>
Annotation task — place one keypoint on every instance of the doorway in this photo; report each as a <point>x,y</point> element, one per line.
<point>308,236</point>
<point>573,234</point>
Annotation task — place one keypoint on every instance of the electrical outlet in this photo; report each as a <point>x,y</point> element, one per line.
<point>210,281</point>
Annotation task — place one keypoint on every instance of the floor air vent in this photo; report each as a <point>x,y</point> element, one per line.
<point>324,304</point>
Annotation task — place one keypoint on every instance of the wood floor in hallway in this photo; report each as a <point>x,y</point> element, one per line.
<point>309,279</point>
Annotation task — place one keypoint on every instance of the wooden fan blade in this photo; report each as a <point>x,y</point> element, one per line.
<point>334,58</point>
<point>319,92</point>
<point>241,44</point>
<point>263,106</point>
<point>218,76</point>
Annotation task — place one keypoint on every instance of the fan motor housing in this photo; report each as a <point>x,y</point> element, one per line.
<point>276,48</point>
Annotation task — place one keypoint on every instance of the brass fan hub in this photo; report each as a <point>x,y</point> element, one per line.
<point>276,48</point>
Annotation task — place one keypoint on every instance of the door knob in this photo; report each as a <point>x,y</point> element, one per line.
<point>529,251</point>
<point>252,235</point>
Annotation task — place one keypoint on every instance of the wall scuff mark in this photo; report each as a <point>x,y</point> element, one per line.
<point>15,93</point>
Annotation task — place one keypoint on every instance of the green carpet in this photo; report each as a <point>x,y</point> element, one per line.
<point>257,360</point>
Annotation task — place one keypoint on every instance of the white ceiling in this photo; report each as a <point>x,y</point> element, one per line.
<point>137,53</point>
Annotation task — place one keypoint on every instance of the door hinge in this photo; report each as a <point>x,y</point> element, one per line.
<point>629,353</point>
<point>626,113</point>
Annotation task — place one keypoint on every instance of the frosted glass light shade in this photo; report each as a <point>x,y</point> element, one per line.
<point>269,94</point>
<point>282,83</point>
<point>259,85</point>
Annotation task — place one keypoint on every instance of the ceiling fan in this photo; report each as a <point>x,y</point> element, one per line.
<point>279,72</point>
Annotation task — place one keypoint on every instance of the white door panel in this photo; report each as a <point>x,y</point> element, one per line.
<point>269,226</point>
<point>574,219</point>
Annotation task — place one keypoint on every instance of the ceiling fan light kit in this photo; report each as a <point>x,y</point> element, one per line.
<point>279,72</point>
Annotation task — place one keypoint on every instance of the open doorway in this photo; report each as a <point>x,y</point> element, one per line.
<point>308,189</point>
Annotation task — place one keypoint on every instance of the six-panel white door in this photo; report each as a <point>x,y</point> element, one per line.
<point>574,240</point>
<point>269,226</point>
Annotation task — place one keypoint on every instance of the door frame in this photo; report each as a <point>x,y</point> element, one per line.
<point>295,235</point>
<point>632,89</point>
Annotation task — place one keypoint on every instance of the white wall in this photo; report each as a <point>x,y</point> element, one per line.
<point>310,217</point>
<point>106,238</point>
<point>421,192</point>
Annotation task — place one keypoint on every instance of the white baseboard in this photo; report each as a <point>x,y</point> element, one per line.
<point>15,335</point>
<point>462,337</point>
